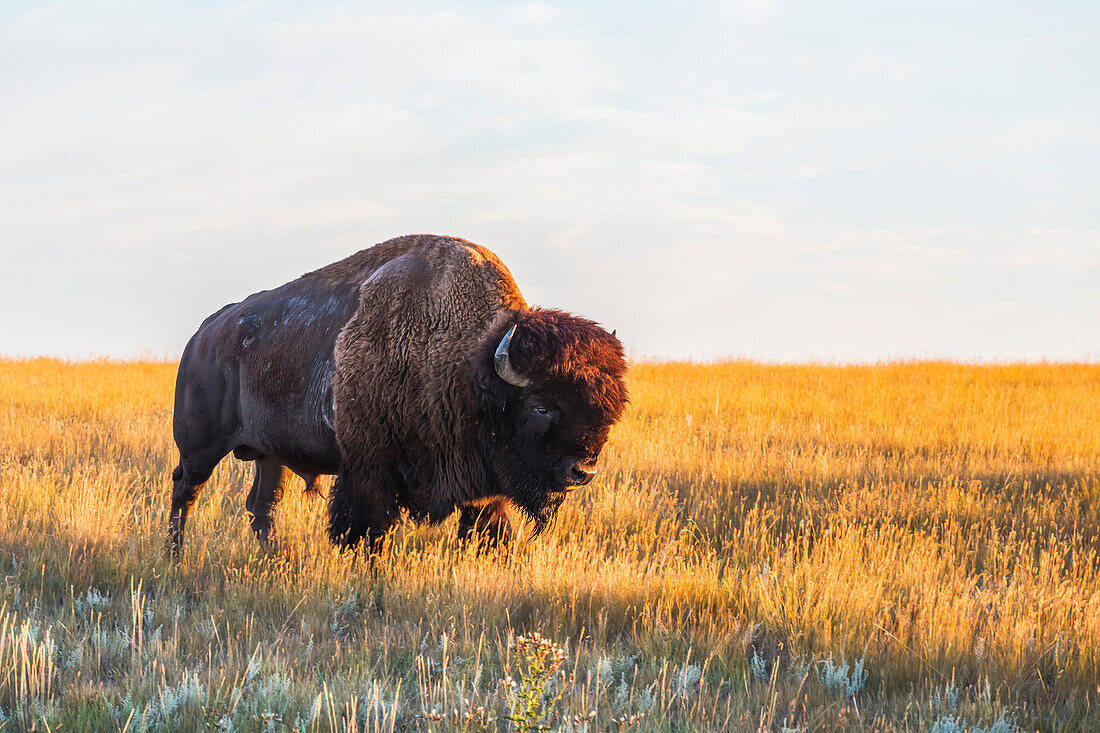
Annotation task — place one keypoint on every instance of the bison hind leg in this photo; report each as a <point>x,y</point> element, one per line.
<point>186,485</point>
<point>485,524</point>
<point>267,490</point>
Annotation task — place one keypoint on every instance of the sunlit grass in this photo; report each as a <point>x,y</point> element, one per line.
<point>892,547</point>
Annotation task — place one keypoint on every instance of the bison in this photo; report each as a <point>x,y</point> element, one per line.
<point>417,374</point>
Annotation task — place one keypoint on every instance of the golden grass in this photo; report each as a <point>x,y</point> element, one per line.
<point>933,526</point>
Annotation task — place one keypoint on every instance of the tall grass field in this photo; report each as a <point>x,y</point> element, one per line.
<point>898,547</point>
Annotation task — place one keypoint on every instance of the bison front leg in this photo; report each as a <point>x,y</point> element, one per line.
<point>362,505</point>
<point>486,524</point>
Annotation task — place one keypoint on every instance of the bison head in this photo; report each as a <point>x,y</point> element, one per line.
<point>553,386</point>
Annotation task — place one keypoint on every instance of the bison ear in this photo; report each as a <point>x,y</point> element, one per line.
<point>614,332</point>
<point>494,390</point>
<point>494,397</point>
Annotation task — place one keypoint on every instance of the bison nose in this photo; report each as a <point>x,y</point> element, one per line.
<point>580,474</point>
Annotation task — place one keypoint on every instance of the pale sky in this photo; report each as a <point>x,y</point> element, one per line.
<point>780,181</point>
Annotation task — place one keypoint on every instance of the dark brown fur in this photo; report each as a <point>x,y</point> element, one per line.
<point>403,335</point>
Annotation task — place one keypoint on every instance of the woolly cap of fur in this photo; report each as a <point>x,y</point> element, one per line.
<point>552,346</point>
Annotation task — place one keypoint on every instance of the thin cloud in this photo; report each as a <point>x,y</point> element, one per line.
<point>718,180</point>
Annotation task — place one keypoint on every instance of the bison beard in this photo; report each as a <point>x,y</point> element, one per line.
<point>538,500</point>
<point>416,372</point>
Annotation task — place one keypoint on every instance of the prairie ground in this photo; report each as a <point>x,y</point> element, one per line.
<point>908,546</point>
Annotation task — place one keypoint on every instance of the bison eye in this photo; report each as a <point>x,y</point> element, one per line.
<point>542,410</point>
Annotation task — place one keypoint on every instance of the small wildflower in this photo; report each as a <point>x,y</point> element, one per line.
<point>628,720</point>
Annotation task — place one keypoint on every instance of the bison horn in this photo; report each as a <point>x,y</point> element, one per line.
<point>504,365</point>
